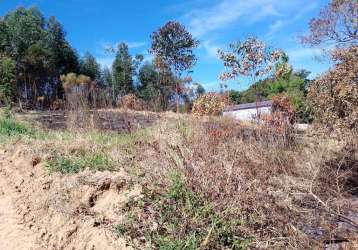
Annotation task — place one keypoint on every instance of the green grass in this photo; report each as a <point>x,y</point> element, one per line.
<point>69,164</point>
<point>184,220</point>
<point>111,139</point>
<point>10,128</point>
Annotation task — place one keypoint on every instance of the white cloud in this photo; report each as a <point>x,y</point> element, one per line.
<point>147,57</point>
<point>273,28</point>
<point>210,48</point>
<point>134,45</point>
<point>307,8</point>
<point>108,46</point>
<point>299,54</point>
<point>227,12</point>
<point>211,86</point>
<point>105,61</point>
<point>279,24</point>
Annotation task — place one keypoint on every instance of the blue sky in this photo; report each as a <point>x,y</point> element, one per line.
<point>91,25</point>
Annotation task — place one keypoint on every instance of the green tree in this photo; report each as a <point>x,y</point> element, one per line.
<point>124,69</point>
<point>7,80</point>
<point>174,45</point>
<point>36,67</point>
<point>39,49</point>
<point>90,67</point>
<point>149,82</point>
<point>200,90</point>
<point>235,97</point>
<point>63,58</point>
<point>106,76</point>
<point>155,87</point>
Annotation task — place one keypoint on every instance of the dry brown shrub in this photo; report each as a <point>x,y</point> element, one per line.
<point>209,104</point>
<point>132,102</point>
<point>335,94</point>
<point>281,121</point>
<point>248,174</point>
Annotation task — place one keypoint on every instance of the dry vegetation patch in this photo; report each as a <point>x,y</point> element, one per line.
<point>212,183</point>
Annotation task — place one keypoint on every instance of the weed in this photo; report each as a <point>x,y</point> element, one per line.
<point>76,163</point>
<point>119,230</point>
<point>180,219</point>
<point>9,128</point>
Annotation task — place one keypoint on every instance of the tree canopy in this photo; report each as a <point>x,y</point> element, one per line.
<point>173,46</point>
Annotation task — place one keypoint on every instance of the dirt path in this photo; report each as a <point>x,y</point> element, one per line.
<point>42,211</point>
<point>13,234</point>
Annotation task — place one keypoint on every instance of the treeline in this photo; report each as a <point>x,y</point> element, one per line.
<point>34,53</point>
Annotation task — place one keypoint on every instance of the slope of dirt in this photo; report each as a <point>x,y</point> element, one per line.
<point>42,211</point>
<point>13,235</point>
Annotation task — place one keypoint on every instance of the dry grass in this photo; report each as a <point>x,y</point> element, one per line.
<point>234,186</point>
<point>282,195</point>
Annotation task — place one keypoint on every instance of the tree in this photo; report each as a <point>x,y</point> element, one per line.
<point>7,80</point>
<point>251,58</point>
<point>155,86</point>
<point>90,67</point>
<point>335,94</point>
<point>235,97</point>
<point>106,76</point>
<point>149,89</point>
<point>200,90</point>
<point>39,49</point>
<point>124,69</point>
<point>174,45</point>
<point>336,24</point>
<point>63,58</point>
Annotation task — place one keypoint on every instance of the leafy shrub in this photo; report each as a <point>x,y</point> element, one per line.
<point>132,102</point>
<point>209,104</point>
<point>75,163</point>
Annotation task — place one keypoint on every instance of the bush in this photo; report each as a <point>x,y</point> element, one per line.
<point>209,104</point>
<point>132,102</point>
<point>335,94</point>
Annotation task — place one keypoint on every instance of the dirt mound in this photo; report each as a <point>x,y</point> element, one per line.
<point>42,211</point>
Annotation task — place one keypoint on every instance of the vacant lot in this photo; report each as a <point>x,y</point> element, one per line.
<point>178,183</point>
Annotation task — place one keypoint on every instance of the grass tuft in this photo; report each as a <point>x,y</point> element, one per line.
<point>69,164</point>
<point>10,128</point>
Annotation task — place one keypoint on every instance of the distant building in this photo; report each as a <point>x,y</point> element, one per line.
<point>248,111</point>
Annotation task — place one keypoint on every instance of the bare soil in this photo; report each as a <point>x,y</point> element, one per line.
<point>42,211</point>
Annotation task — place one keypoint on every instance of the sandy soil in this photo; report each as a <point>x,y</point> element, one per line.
<point>13,233</point>
<point>42,211</point>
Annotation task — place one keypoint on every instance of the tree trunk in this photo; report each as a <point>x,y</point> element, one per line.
<point>177,97</point>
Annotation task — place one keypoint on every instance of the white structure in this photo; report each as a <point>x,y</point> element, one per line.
<point>248,111</point>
